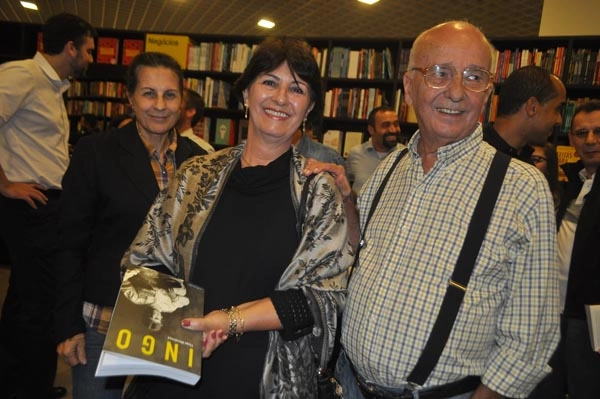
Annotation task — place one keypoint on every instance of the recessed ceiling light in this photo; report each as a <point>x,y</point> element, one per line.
<point>265,23</point>
<point>31,6</point>
<point>368,1</point>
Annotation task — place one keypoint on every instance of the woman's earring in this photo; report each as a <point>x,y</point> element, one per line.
<point>245,111</point>
<point>304,126</point>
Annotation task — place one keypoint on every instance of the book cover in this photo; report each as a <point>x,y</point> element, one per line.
<point>332,139</point>
<point>108,50</point>
<point>145,336</point>
<point>223,131</point>
<point>131,48</point>
<point>593,319</point>
<point>351,140</point>
<point>174,45</point>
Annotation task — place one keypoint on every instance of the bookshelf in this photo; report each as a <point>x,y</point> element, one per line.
<point>358,74</point>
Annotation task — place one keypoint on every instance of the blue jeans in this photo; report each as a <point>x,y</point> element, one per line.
<point>85,384</point>
<point>345,377</point>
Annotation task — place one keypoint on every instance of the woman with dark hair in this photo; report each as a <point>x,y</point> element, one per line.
<point>109,186</point>
<point>545,159</point>
<point>270,247</point>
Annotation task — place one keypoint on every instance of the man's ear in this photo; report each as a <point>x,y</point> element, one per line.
<point>370,130</point>
<point>407,88</point>
<point>531,106</point>
<point>70,48</point>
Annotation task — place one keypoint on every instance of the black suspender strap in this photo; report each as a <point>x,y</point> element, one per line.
<point>378,196</point>
<point>457,286</point>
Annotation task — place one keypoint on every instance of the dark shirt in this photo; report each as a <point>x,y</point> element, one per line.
<point>583,285</point>
<point>495,140</point>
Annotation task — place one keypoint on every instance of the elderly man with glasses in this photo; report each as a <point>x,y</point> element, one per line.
<point>399,340</point>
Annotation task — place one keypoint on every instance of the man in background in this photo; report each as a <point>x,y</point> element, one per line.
<point>311,148</point>
<point>576,364</point>
<point>530,106</point>
<point>506,327</point>
<point>384,129</point>
<point>192,113</point>
<point>34,133</point>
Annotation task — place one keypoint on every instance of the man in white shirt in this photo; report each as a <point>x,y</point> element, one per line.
<point>34,132</point>
<point>192,113</point>
<point>384,129</point>
<point>575,365</point>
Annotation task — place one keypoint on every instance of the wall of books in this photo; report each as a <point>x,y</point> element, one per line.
<point>358,74</point>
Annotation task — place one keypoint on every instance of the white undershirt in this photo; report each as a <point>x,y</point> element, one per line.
<point>566,235</point>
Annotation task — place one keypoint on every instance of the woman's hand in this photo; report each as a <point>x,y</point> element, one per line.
<point>212,326</point>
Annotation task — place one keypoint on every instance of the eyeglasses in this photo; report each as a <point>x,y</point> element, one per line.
<point>538,159</point>
<point>583,133</point>
<point>440,76</point>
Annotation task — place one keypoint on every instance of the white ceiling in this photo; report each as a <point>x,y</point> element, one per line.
<point>301,18</point>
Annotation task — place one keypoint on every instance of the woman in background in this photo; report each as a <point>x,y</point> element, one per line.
<point>110,184</point>
<point>274,266</point>
<point>545,159</point>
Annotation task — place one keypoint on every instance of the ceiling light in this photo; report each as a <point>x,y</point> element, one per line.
<point>265,23</point>
<point>368,1</point>
<point>31,6</point>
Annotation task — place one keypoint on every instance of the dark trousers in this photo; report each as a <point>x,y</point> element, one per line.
<point>575,366</point>
<point>27,344</point>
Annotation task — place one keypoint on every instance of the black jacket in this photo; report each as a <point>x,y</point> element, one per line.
<point>107,191</point>
<point>583,286</point>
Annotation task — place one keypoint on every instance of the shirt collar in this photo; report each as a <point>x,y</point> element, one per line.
<point>451,152</point>
<point>152,151</point>
<point>61,84</point>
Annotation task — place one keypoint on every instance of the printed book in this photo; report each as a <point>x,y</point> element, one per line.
<point>108,50</point>
<point>593,319</point>
<point>131,48</point>
<point>145,336</point>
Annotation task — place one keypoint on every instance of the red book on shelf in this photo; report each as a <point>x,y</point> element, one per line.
<point>131,48</point>
<point>108,50</point>
<point>40,42</point>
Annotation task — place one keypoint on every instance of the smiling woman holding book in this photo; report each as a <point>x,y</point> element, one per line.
<point>269,246</point>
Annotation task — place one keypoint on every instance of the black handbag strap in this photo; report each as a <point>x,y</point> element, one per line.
<point>462,271</point>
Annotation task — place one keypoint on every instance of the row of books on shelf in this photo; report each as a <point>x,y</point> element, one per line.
<point>352,103</point>
<point>216,93</point>
<point>584,67</point>
<point>346,140</point>
<point>107,109</point>
<point>98,88</point>
<point>508,60</point>
<point>219,57</point>
<point>344,62</point>
<point>360,64</point>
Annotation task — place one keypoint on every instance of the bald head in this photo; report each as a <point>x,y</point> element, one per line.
<point>440,36</point>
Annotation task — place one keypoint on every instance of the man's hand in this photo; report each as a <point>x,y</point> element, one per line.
<point>73,350</point>
<point>341,181</point>
<point>339,173</point>
<point>28,192</point>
